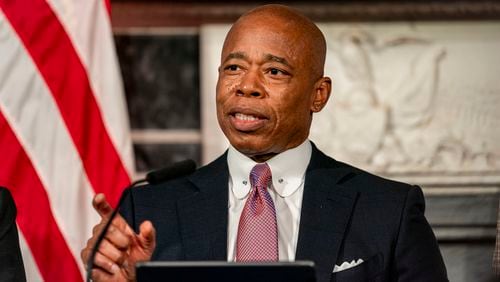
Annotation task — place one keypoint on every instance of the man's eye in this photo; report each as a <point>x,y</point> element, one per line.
<point>232,67</point>
<point>274,71</point>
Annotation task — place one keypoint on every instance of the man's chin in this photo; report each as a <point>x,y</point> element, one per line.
<point>248,149</point>
<point>258,151</point>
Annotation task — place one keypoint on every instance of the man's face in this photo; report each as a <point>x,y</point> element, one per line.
<point>265,89</point>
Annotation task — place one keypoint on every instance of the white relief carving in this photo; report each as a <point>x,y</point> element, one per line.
<point>394,109</point>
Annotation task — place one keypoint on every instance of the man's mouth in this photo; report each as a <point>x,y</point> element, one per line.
<point>247,121</point>
<point>244,117</point>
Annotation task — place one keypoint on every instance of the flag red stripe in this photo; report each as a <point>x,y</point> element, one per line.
<point>60,66</point>
<point>108,6</point>
<point>35,219</point>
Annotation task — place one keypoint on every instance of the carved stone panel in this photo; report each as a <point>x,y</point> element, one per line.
<point>414,99</point>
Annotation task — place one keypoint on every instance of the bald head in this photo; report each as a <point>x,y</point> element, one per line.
<point>271,81</point>
<point>302,34</point>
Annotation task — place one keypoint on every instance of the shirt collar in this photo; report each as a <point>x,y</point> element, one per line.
<point>288,170</point>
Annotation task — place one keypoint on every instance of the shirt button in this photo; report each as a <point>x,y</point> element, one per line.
<point>280,180</point>
<point>245,182</point>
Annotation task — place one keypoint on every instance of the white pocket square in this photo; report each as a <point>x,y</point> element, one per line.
<point>346,265</point>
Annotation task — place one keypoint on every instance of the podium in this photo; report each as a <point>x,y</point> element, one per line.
<point>299,271</point>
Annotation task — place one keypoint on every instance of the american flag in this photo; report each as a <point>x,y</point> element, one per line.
<point>64,132</point>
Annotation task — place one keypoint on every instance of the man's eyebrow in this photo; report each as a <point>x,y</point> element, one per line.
<point>235,55</point>
<point>267,57</point>
<point>274,58</point>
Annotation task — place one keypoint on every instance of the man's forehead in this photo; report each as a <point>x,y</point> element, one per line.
<point>266,24</point>
<point>270,43</point>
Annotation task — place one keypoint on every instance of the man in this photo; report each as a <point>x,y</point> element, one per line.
<point>273,195</point>
<point>11,262</point>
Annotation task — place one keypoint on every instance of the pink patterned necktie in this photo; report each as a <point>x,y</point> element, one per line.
<point>258,232</point>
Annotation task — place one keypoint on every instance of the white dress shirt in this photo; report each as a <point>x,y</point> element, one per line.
<point>288,173</point>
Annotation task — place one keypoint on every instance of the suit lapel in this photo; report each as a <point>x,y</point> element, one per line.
<point>203,216</point>
<point>326,211</point>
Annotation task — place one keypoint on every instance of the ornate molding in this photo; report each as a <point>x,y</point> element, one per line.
<point>155,14</point>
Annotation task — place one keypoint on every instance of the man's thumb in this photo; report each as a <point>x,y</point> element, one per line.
<point>147,236</point>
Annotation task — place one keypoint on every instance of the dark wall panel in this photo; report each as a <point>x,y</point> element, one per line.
<point>161,79</point>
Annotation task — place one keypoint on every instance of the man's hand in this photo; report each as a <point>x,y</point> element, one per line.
<point>121,248</point>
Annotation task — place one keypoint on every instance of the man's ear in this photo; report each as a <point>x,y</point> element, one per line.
<point>322,87</point>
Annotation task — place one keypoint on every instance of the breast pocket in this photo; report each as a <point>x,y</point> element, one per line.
<point>370,270</point>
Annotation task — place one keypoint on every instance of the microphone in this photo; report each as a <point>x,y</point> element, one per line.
<point>175,170</point>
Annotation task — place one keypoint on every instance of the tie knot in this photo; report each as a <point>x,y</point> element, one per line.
<point>260,175</point>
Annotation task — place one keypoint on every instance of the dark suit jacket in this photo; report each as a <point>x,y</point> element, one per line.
<point>11,262</point>
<point>346,214</point>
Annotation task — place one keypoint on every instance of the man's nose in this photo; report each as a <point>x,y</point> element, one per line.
<point>250,85</point>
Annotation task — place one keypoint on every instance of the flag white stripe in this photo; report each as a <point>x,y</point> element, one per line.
<point>30,267</point>
<point>32,113</point>
<point>88,26</point>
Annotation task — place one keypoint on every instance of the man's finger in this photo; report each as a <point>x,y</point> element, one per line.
<point>122,224</point>
<point>147,236</point>
<point>97,229</point>
<point>105,264</point>
<point>119,238</point>
<point>112,252</point>
<point>102,206</point>
<point>105,210</point>
<point>114,242</point>
<point>84,254</point>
